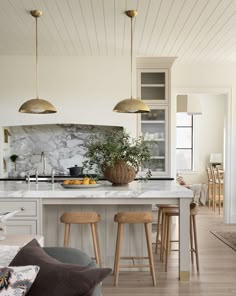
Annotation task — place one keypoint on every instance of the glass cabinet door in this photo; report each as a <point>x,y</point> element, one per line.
<point>154,131</point>
<point>153,85</point>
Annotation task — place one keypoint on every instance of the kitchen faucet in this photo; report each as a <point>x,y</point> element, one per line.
<point>43,160</point>
<point>36,175</point>
<point>52,175</point>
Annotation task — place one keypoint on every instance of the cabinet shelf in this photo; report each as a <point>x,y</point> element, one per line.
<point>156,140</point>
<point>152,85</point>
<point>157,157</point>
<point>153,121</point>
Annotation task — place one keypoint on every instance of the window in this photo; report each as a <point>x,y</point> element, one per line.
<point>184,141</point>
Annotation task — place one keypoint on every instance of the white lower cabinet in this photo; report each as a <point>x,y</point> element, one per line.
<point>21,227</point>
<point>24,222</point>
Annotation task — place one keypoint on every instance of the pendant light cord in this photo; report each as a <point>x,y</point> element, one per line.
<point>131,48</point>
<point>37,57</point>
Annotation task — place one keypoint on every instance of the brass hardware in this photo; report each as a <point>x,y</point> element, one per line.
<point>131,13</point>
<point>37,106</point>
<point>131,105</point>
<point>36,13</point>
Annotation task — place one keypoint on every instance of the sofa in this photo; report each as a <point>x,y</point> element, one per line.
<point>49,271</point>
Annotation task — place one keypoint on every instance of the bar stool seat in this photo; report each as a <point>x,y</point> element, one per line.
<point>122,218</point>
<point>91,218</point>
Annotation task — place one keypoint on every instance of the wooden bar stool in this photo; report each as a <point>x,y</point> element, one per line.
<point>91,218</point>
<point>145,218</point>
<point>160,222</point>
<point>193,234</point>
<point>171,211</point>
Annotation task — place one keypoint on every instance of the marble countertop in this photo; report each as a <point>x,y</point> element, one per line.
<point>149,189</point>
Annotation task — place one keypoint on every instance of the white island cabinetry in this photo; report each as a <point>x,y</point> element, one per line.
<point>45,202</point>
<point>24,222</point>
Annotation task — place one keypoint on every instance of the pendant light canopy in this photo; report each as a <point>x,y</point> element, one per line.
<point>37,106</point>
<point>131,105</point>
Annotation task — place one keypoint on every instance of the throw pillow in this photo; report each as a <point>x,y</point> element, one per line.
<point>56,278</point>
<point>7,253</point>
<point>16,281</point>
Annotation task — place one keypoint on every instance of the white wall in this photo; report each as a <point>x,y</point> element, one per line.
<point>85,90</point>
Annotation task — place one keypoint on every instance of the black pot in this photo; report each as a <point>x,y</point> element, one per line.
<point>76,171</point>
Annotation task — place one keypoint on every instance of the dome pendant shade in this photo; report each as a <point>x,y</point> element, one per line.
<point>131,106</point>
<point>37,106</point>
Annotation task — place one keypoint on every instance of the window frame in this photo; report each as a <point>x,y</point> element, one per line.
<point>192,127</point>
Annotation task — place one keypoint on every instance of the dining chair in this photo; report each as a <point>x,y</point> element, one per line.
<point>210,187</point>
<point>218,179</point>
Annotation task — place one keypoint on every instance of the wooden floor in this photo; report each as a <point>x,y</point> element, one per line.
<point>217,268</point>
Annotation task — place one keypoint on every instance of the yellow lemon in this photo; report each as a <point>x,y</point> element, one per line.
<point>92,182</point>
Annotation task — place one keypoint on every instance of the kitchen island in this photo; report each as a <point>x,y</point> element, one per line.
<point>42,205</point>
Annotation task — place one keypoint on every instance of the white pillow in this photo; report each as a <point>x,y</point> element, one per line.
<point>7,253</point>
<point>16,281</point>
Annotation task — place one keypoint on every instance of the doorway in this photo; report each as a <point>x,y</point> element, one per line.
<point>207,98</point>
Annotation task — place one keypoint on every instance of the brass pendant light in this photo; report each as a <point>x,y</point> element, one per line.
<point>131,105</point>
<point>37,106</point>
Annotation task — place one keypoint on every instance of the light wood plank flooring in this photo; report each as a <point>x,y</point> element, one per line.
<point>217,268</point>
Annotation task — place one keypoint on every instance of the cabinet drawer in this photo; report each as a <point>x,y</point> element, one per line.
<point>21,227</point>
<point>30,208</point>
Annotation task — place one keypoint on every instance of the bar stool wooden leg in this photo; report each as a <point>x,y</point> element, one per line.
<point>98,245</point>
<point>95,243</point>
<point>118,252</point>
<point>191,239</point>
<point>195,242</point>
<point>220,195</point>
<point>158,228</point>
<point>219,191</point>
<point>214,198</point>
<point>150,255</point>
<point>167,241</point>
<point>209,195</point>
<point>67,234</point>
<point>163,236</point>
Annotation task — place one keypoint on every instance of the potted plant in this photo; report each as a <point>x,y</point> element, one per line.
<point>116,154</point>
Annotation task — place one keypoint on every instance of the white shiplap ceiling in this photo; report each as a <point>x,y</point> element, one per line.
<point>192,30</point>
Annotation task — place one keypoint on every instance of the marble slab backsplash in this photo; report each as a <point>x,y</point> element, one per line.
<point>62,145</point>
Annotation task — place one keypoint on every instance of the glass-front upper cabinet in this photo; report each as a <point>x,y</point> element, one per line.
<point>154,129</point>
<point>154,88</point>
<point>153,85</point>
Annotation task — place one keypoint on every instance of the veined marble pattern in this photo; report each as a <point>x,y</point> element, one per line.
<point>61,143</point>
<point>134,191</point>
